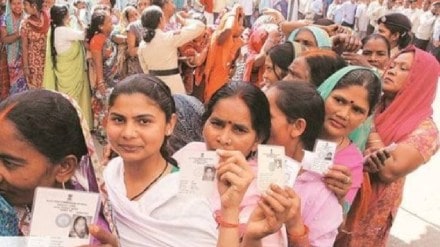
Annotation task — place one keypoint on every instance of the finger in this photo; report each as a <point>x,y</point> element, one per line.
<point>382,157</point>
<point>231,167</point>
<point>103,236</point>
<point>372,164</point>
<point>376,160</point>
<point>340,193</point>
<point>335,183</point>
<point>281,196</point>
<point>267,210</point>
<point>273,202</point>
<point>341,168</point>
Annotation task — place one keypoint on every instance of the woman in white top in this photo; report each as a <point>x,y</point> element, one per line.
<point>65,69</point>
<point>158,51</point>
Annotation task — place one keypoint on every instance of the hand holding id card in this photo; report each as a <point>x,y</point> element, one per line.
<point>64,215</point>
<point>197,173</point>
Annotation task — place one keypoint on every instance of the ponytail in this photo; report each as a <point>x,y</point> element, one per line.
<point>149,35</point>
<point>150,19</point>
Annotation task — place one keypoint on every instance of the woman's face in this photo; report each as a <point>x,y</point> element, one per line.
<point>376,52</point>
<point>298,70</point>
<point>133,15</point>
<point>17,7</point>
<point>345,109</point>
<point>107,25</point>
<point>392,38</point>
<point>169,8</point>
<point>136,127</point>
<point>142,4</point>
<point>80,226</point>
<point>22,167</point>
<point>230,127</point>
<point>280,127</point>
<point>397,74</point>
<point>66,19</point>
<point>271,72</point>
<point>306,38</point>
<point>29,8</point>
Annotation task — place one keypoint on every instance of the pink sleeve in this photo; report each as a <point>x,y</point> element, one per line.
<point>352,158</point>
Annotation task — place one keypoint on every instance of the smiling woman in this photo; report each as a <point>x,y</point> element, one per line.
<point>143,182</point>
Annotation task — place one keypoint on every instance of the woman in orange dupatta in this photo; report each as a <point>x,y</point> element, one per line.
<point>225,44</point>
<point>404,117</point>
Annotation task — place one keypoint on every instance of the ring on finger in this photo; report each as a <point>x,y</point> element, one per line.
<point>347,180</point>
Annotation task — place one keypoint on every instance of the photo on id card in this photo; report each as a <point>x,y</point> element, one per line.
<point>323,156</point>
<point>63,216</point>
<point>197,173</point>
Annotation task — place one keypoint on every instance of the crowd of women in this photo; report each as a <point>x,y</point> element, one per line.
<point>154,86</point>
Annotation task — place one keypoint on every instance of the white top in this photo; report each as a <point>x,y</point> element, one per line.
<point>317,7</point>
<point>426,26</point>
<point>65,36</point>
<point>374,12</point>
<point>292,10</point>
<point>414,17</point>
<point>436,33</point>
<point>335,13</point>
<point>161,52</point>
<point>362,17</point>
<point>219,5</point>
<point>348,9</point>
<point>303,6</point>
<point>248,6</point>
<point>161,217</point>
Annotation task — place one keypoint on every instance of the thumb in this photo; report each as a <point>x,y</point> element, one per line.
<point>103,236</point>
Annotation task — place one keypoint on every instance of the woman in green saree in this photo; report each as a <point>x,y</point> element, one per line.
<point>65,67</point>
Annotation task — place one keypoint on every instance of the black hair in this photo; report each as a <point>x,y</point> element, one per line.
<point>75,221</point>
<point>365,78</point>
<point>400,24</point>
<point>299,99</point>
<point>322,63</point>
<point>57,15</point>
<point>156,90</point>
<point>150,19</point>
<point>48,122</point>
<point>282,56</point>
<point>38,4</point>
<point>323,22</point>
<point>159,3</point>
<point>98,18</point>
<point>377,36</point>
<point>254,99</point>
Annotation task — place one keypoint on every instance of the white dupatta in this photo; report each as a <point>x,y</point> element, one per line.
<point>160,217</point>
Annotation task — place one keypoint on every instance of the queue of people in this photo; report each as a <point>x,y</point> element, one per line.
<point>151,85</point>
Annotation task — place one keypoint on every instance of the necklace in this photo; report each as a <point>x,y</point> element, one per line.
<point>149,185</point>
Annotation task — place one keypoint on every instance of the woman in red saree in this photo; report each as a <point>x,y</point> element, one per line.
<point>33,36</point>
